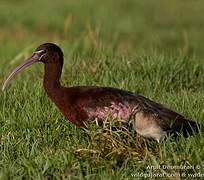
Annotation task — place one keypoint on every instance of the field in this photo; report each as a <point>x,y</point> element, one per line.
<point>154,48</point>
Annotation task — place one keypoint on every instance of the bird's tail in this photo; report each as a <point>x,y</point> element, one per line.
<point>189,127</point>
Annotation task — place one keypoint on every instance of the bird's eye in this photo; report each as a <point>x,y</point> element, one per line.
<point>40,53</point>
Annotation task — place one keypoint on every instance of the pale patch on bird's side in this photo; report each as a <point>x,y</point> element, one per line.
<point>115,110</point>
<point>147,126</point>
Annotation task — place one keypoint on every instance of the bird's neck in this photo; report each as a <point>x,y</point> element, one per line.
<point>52,76</point>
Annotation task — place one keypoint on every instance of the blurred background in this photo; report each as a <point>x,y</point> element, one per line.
<point>154,48</point>
<point>112,26</point>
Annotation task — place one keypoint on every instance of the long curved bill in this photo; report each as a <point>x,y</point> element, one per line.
<point>33,59</point>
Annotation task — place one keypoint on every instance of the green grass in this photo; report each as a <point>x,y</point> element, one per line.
<point>152,48</point>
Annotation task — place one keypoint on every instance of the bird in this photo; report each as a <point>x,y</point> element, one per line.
<point>83,104</point>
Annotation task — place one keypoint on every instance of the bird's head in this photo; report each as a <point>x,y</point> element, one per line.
<point>47,53</point>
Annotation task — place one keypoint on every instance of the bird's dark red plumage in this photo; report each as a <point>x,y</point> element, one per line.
<point>82,104</point>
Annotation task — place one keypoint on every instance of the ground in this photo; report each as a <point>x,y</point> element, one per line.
<point>151,48</point>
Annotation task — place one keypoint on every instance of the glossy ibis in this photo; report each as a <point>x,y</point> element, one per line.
<point>85,103</point>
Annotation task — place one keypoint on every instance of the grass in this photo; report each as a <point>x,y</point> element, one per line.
<point>151,48</point>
